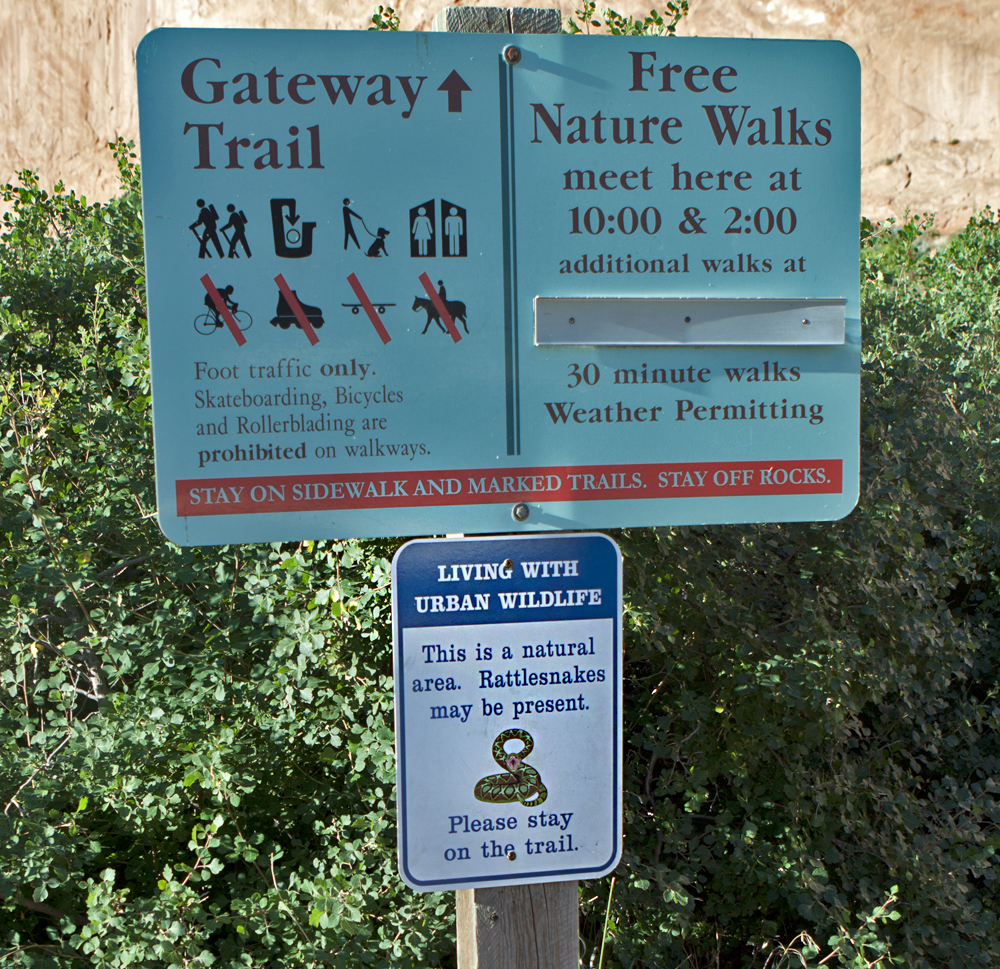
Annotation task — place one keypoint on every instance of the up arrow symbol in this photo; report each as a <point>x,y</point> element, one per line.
<point>454,84</point>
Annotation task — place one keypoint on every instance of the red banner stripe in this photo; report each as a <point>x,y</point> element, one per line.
<point>404,489</point>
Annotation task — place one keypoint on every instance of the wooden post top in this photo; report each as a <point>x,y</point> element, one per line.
<point>498,20</point>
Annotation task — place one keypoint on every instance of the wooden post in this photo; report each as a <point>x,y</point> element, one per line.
<point>498,20</point>
<point>521,926</point>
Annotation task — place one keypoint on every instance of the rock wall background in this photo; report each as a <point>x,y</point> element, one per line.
<point>930,74</point>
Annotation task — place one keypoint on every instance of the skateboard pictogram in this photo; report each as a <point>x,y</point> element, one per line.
<point>356,308</point>
<point>369,307</point>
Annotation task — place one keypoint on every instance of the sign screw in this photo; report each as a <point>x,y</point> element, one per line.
<point>511,855</point>
<point>805,322</point>
<point>520,512</point>
<point>512,54</point>
<point>687,319</point>
<point>572,319</point>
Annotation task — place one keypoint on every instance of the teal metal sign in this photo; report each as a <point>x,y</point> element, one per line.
<point>410,283</point>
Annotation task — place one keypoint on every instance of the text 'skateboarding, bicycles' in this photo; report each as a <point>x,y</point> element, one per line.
<point>210,321</point>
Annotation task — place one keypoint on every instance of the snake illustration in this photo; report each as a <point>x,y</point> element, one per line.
<point>519,782</point>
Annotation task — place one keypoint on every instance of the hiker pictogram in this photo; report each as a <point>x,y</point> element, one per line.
<point>208,219</point>
<point>237,225</point>
<point>422,230</point>
<point>291,240</point>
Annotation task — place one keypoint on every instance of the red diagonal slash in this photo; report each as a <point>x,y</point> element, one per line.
<point>220,305</point>
<point>440,307</point>
<point>362,296</point>
<point>290,299</point>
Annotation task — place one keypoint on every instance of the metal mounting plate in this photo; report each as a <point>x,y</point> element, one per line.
<point>652,321</point>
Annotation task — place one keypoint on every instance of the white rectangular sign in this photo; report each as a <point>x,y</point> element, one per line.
<point>507,660</point>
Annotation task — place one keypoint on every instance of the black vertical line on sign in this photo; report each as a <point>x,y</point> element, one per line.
<point>509,260</point>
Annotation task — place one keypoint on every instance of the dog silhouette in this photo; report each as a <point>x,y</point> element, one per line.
<point>377,248</point>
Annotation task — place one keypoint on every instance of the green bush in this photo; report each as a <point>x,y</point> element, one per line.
<point>196,749</point>
<point>813,707</point>
<point>196,759</point>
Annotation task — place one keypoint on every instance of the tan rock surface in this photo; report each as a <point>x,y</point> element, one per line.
<point>931,81</point>
<point>930,75</point>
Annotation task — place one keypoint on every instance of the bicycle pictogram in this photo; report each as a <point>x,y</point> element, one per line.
<point>210,321</point>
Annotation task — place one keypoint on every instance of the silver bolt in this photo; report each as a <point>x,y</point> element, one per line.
<point>512,54</point>
<point>520,512</point>
<point>805,322</point>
